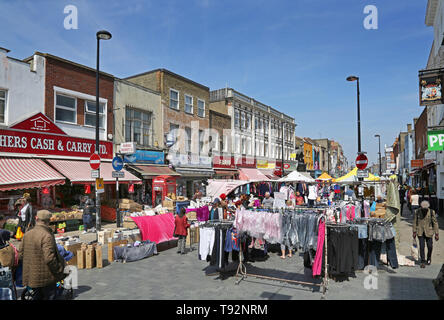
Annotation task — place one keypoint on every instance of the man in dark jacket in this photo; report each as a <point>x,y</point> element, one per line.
<point>42,264</point>
<point>88,210</point>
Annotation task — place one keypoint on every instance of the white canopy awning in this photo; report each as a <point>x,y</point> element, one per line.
<point>296,176</point>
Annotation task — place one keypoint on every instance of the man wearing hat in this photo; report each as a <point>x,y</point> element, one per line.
<point>42,264</point>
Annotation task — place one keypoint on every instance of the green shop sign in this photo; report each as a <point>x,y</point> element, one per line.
<point>435,140</point>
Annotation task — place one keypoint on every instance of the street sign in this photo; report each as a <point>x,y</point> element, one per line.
<point>361,161</point>
<point>128,148</point>
<point>118,174</point>
<point>362,174</point>
<point>117,163</point>
<point>94,174</point>
<point>100,187</point>
<point>94,161</point>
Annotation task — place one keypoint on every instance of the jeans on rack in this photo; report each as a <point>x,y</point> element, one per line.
<point>375,253</point>
<point>392,257</point>
<point>363,254</point>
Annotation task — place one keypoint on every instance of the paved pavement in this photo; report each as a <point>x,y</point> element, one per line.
<point>172,276</point>
<point>169,276</point>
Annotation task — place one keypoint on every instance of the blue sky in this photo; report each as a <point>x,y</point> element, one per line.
<point>292,55</point>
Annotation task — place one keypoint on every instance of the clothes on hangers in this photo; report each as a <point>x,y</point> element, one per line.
<point>342,250</point>
<point>317,264</point>
<point>206,242</point>
<point>202,214</point>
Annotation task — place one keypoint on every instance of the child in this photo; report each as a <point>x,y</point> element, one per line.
<point>299,199</point>
<point>181,226</point>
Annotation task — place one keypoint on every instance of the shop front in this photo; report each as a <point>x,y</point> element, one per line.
<point>147,165</point>
<point>39,158</point>
<point>194,172</point>
<point>225,168</point>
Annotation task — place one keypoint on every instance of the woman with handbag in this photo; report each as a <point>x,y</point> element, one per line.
<point>425,225</point>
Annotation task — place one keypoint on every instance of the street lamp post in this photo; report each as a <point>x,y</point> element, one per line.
<point>101,35</point>
<point>380,163</point>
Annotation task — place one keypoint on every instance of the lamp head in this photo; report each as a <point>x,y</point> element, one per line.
<point>103,35</point>
<point>377,136</point>
<point>352,78</point>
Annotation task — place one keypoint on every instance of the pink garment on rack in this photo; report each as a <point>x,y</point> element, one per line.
<point>353,213</point>
<point>158,228</point>
<point>317,264</point>
<point>348,213</point>
<point>202,214</point>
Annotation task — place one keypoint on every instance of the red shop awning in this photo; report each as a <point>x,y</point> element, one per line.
<point>79,172</point>
<point>18,174</point>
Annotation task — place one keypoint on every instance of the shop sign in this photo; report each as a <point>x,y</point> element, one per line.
<point>435,140</point>
<point>244,162</point>
<point>128,148</point>
<point>223,162</point>
<point>264,164</point>
<point>146,157</point>
<point>430,89</point>
<point>43,137</point>
<point>416,163</point>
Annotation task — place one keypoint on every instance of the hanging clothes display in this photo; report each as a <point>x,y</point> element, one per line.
<point>342,250</point>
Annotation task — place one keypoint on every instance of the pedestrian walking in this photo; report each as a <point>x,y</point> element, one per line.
<point>181,226</point>
<point>402,197</point>
<point>42,264</point>
<point>414,201</point>
<point>425,225</point>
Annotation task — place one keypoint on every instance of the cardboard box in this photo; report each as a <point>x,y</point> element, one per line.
<point>111,246</point>
<point>81,256</point>
<point>91,257</point>
<point>129,224</point>
<point>102,236</point>
<point>99,257</point>
<point>192,237</point>
<point>73,248</point>
<point>125,206</point>
<point>126,201</point>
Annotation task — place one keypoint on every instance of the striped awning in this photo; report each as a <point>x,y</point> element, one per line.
<point>252,175</point>
<point>19,174</point>
<point>79,172</point>
<point>150,171</point>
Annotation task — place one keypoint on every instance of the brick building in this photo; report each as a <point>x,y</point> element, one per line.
<point>186,120</point>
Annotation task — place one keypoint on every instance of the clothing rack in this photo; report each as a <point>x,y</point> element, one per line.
<point>242,270</point>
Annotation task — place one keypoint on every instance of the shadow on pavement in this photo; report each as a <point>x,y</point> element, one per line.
<point>80,290</point>
<point>408,288</point>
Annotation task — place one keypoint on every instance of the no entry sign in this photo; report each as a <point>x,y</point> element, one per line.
<point>94,161</point>
<point>361,161</point>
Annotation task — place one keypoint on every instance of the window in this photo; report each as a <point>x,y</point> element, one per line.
<point>2,105</point>
<point>236,118</point>
<point>242,120</point>
<point>201,141</point>
<point>138,127</point>
<point>174,131</point>
<point>174,99</point>
<point>266,126</point>
<point>244,146</point>
<point>188,137</point>
<point>188,104</point>
<point>90,114</point>
<point>266,150</point>
<point>66,109</point>
<point>200,108</point>
<point>248,121</point>
<point>249,146</point>
<point>255,123</point>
